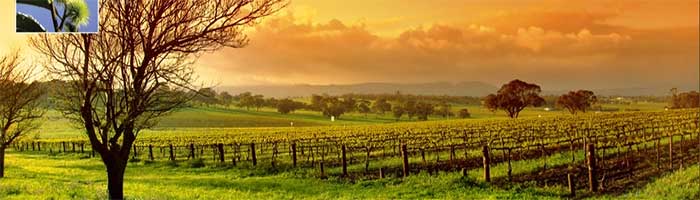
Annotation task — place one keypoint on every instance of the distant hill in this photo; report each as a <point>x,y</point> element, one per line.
<point>467,88</point>
<point>638,91</point>
<point>473,88</point>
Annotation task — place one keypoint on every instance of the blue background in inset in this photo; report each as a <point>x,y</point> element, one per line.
<point>44,16</point>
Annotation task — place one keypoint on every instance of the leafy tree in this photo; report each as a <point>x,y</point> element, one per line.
<point>317,102</point>
<point>410,108</point>
<point>246,100</point>
<point>258,101</point>
<point>381,106</point>
<point>444,109</point>
<point>286,106</point>
<point>686,100</point>
<point>398,111</point>
<point>333,107</point>
<point>116,75</point>
<point>271,102</point>
<point>225,98</point>
<point>363,107</point>
<point>19,104</point>
<point>514,97</point>
<point>206,96</point>
<point>350,103</point>
<point>576,101</point>
<point>423,110</point>
<point>464,113</point>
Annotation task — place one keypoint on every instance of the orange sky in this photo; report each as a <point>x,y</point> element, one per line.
<point>560,44</point>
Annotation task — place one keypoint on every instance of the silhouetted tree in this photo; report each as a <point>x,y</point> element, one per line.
<point>317,102</point>
<point>115,75</point>
<point>423,110</point>
<point>410,107</point>
<point>286,106</point>
<point>363,107</point>
<point>686,100</point>
<point>444,109</point>
<point>464,113</point>
<point>514,97</point>
<point>398,111</point>
<point>225,98</point>
<point>381,106</point>
<point>206,96</point>
<point>350,103</point>
<point>246,100</point>
<point>576,101</point>
<point>333,107</point>
<point>258,101</point>
<point>19,104</point>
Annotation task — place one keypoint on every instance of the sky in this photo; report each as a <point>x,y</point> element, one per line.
<point>44,16</point>
<point>558,44</point>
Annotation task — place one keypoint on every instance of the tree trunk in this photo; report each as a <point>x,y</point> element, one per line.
<point>115,176</point>
<point>2,162</point>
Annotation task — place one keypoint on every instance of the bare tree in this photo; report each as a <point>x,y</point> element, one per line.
<point>139,66</point>
<point>19,103</point>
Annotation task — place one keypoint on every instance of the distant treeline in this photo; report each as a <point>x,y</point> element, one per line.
<point>397,104</point>
<point>418,106</point>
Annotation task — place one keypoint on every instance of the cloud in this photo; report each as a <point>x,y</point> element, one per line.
<point>286,50</point>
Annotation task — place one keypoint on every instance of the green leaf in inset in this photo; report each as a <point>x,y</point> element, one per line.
<point>78,11</point>
<point>26,23</point>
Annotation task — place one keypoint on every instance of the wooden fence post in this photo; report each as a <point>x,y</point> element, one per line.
<point>82,147</point>
<point>367,159</point>
<point>172,154</point>
<point>487,161</point>
<point>592,180</point>
<point>135,153</point>
<point>670,152</point>
<point>150,152</point>
<point>406,168</point>
<point>381,173</point>
<point>344,160</point>
<point>452,154</point>
<point>680,152</point>
<point>572,187</point>
<point>510,168</point>
<point>294,154</point>
<point>657,146</point>
<point>323,173</point>
<point>221,152</point>
<point>252,150</point>
<point>192,151</point>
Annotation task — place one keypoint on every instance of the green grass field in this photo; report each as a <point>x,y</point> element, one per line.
<point>74,176</point>
<point>71,176</point>
<point>54,125</point>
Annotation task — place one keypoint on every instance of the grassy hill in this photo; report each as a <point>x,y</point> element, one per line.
<point>55,125</point>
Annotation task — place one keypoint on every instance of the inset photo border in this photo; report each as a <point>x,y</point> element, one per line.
<point>57,16</point>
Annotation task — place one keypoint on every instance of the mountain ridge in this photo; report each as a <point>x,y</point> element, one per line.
<point>463,88</point>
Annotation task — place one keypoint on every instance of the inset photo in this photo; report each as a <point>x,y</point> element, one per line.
<point>57,16</point>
